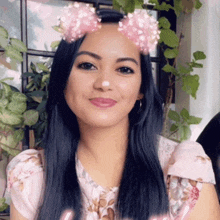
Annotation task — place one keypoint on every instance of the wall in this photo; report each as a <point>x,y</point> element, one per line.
<point>201,31</point>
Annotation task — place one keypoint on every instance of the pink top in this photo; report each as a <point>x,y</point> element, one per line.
<point>185,167</point>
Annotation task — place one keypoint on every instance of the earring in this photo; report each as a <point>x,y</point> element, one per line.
<point>140,104</point>
<point>140,108</point>
<point>105,83</point>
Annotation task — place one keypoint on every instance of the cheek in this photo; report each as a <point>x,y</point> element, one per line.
<point>70,91</point>
<point>76,85</point>
<point>130,88</point>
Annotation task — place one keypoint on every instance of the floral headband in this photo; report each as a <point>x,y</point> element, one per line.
<point>141,28</point>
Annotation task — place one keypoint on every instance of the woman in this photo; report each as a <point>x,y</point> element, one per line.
<point>101,147</point>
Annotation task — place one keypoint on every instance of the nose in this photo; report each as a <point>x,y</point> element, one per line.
<point>102,83</point>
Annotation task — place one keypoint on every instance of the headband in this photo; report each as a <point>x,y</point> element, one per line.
<point>141,28</point>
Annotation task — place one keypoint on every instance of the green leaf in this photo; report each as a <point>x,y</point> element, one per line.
<point>30,84</point>
<point>3,103</point>
<point>7,89</point>
<point>19,97</point>
<point>178,7</point>
<point>139,4</point>
<point>169,37</point>
<point>28,74</point>
<point>3,205</point>
<point>173,128</point>
<point>37,80</point>
<point>116,5</point>
<point>154,2</point>
<point>17,107</point>
<point>163,7</point>
<point>33,67</point>
<point>185,114</point>
<point>168,68</point>
<point>8,78</point>
<point>129,6</point>
<point>198,5</point>
<point>58,29</point>
<point>190,84</point>
<point>10,118</point>
<point>55,44</point>
<point>3,32</point>
<point>164,23</point>
<point>185,132</point>
<point>3,42</point>
<point>121,2</point>
<point>6,128</point>
<point>199,55</point>
<point>42,67</point>
<point>37,99</point>
<point>13,53</point>
<point>18,45</point>
<point>31,117</point>
<point>14,89</point>
<point>196,65</point>
<point>19,135</point>
<point>183,69</point>
<point>2,94</point>
<point>171,53</point>
<point>8,139</point>
<point>194,120</point>
<point>41,106</point>
<point>173,115</point>
<point>13,152</point>
<point>45,77</point>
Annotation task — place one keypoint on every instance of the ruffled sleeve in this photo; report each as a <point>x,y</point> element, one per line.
<point>25,182</point>
<point>186,167</point>
<point>189,160</point>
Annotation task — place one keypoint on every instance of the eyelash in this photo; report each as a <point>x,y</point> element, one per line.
<point>80,66</point>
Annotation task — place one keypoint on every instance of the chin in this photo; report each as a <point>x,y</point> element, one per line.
<point>103,120</point>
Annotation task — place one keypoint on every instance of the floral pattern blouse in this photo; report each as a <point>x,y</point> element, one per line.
<point>185,167</point>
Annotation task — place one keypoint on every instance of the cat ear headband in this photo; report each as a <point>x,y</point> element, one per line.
<point>141,28</point>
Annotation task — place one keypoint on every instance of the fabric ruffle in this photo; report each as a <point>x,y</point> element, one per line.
<point>186,167</point>
<point>190,161</point>
<point>25,182</point>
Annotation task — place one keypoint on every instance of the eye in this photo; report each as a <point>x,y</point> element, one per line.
<point>86,66</point>
<point>125,69</point>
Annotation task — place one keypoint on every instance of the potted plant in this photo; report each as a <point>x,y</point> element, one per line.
<point>14,116</point>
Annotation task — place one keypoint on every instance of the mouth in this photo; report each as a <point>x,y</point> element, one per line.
<point>103,103</point>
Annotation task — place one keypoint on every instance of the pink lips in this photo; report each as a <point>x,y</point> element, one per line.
<point>103,103</point>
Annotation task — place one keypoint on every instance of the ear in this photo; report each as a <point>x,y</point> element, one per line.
<point>140,96</point>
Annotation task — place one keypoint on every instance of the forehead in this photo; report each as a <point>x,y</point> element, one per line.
<point>109,42</point>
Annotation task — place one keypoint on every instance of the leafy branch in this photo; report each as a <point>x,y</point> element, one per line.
<point>14,116</point>
<point>170,45</point>
<point>37,93</point>
<point>12,48</point>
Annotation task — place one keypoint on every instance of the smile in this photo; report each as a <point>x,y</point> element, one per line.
<point>103,103</point>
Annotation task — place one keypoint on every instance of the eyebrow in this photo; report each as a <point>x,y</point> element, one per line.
<point>96,56</point>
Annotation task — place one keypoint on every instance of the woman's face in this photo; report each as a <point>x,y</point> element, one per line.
<point>104,56</point>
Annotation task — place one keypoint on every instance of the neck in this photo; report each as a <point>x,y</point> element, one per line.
<point>104,145</point>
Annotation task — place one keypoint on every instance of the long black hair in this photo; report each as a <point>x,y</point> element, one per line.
<point>142,191</point>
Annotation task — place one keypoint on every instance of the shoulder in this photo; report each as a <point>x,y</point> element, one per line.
<point>178,159</point>
<point>25,181</point>
<point>189,160</point>
<point>22,166</point>
<point>165,150</point>
<point>187,171</point>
